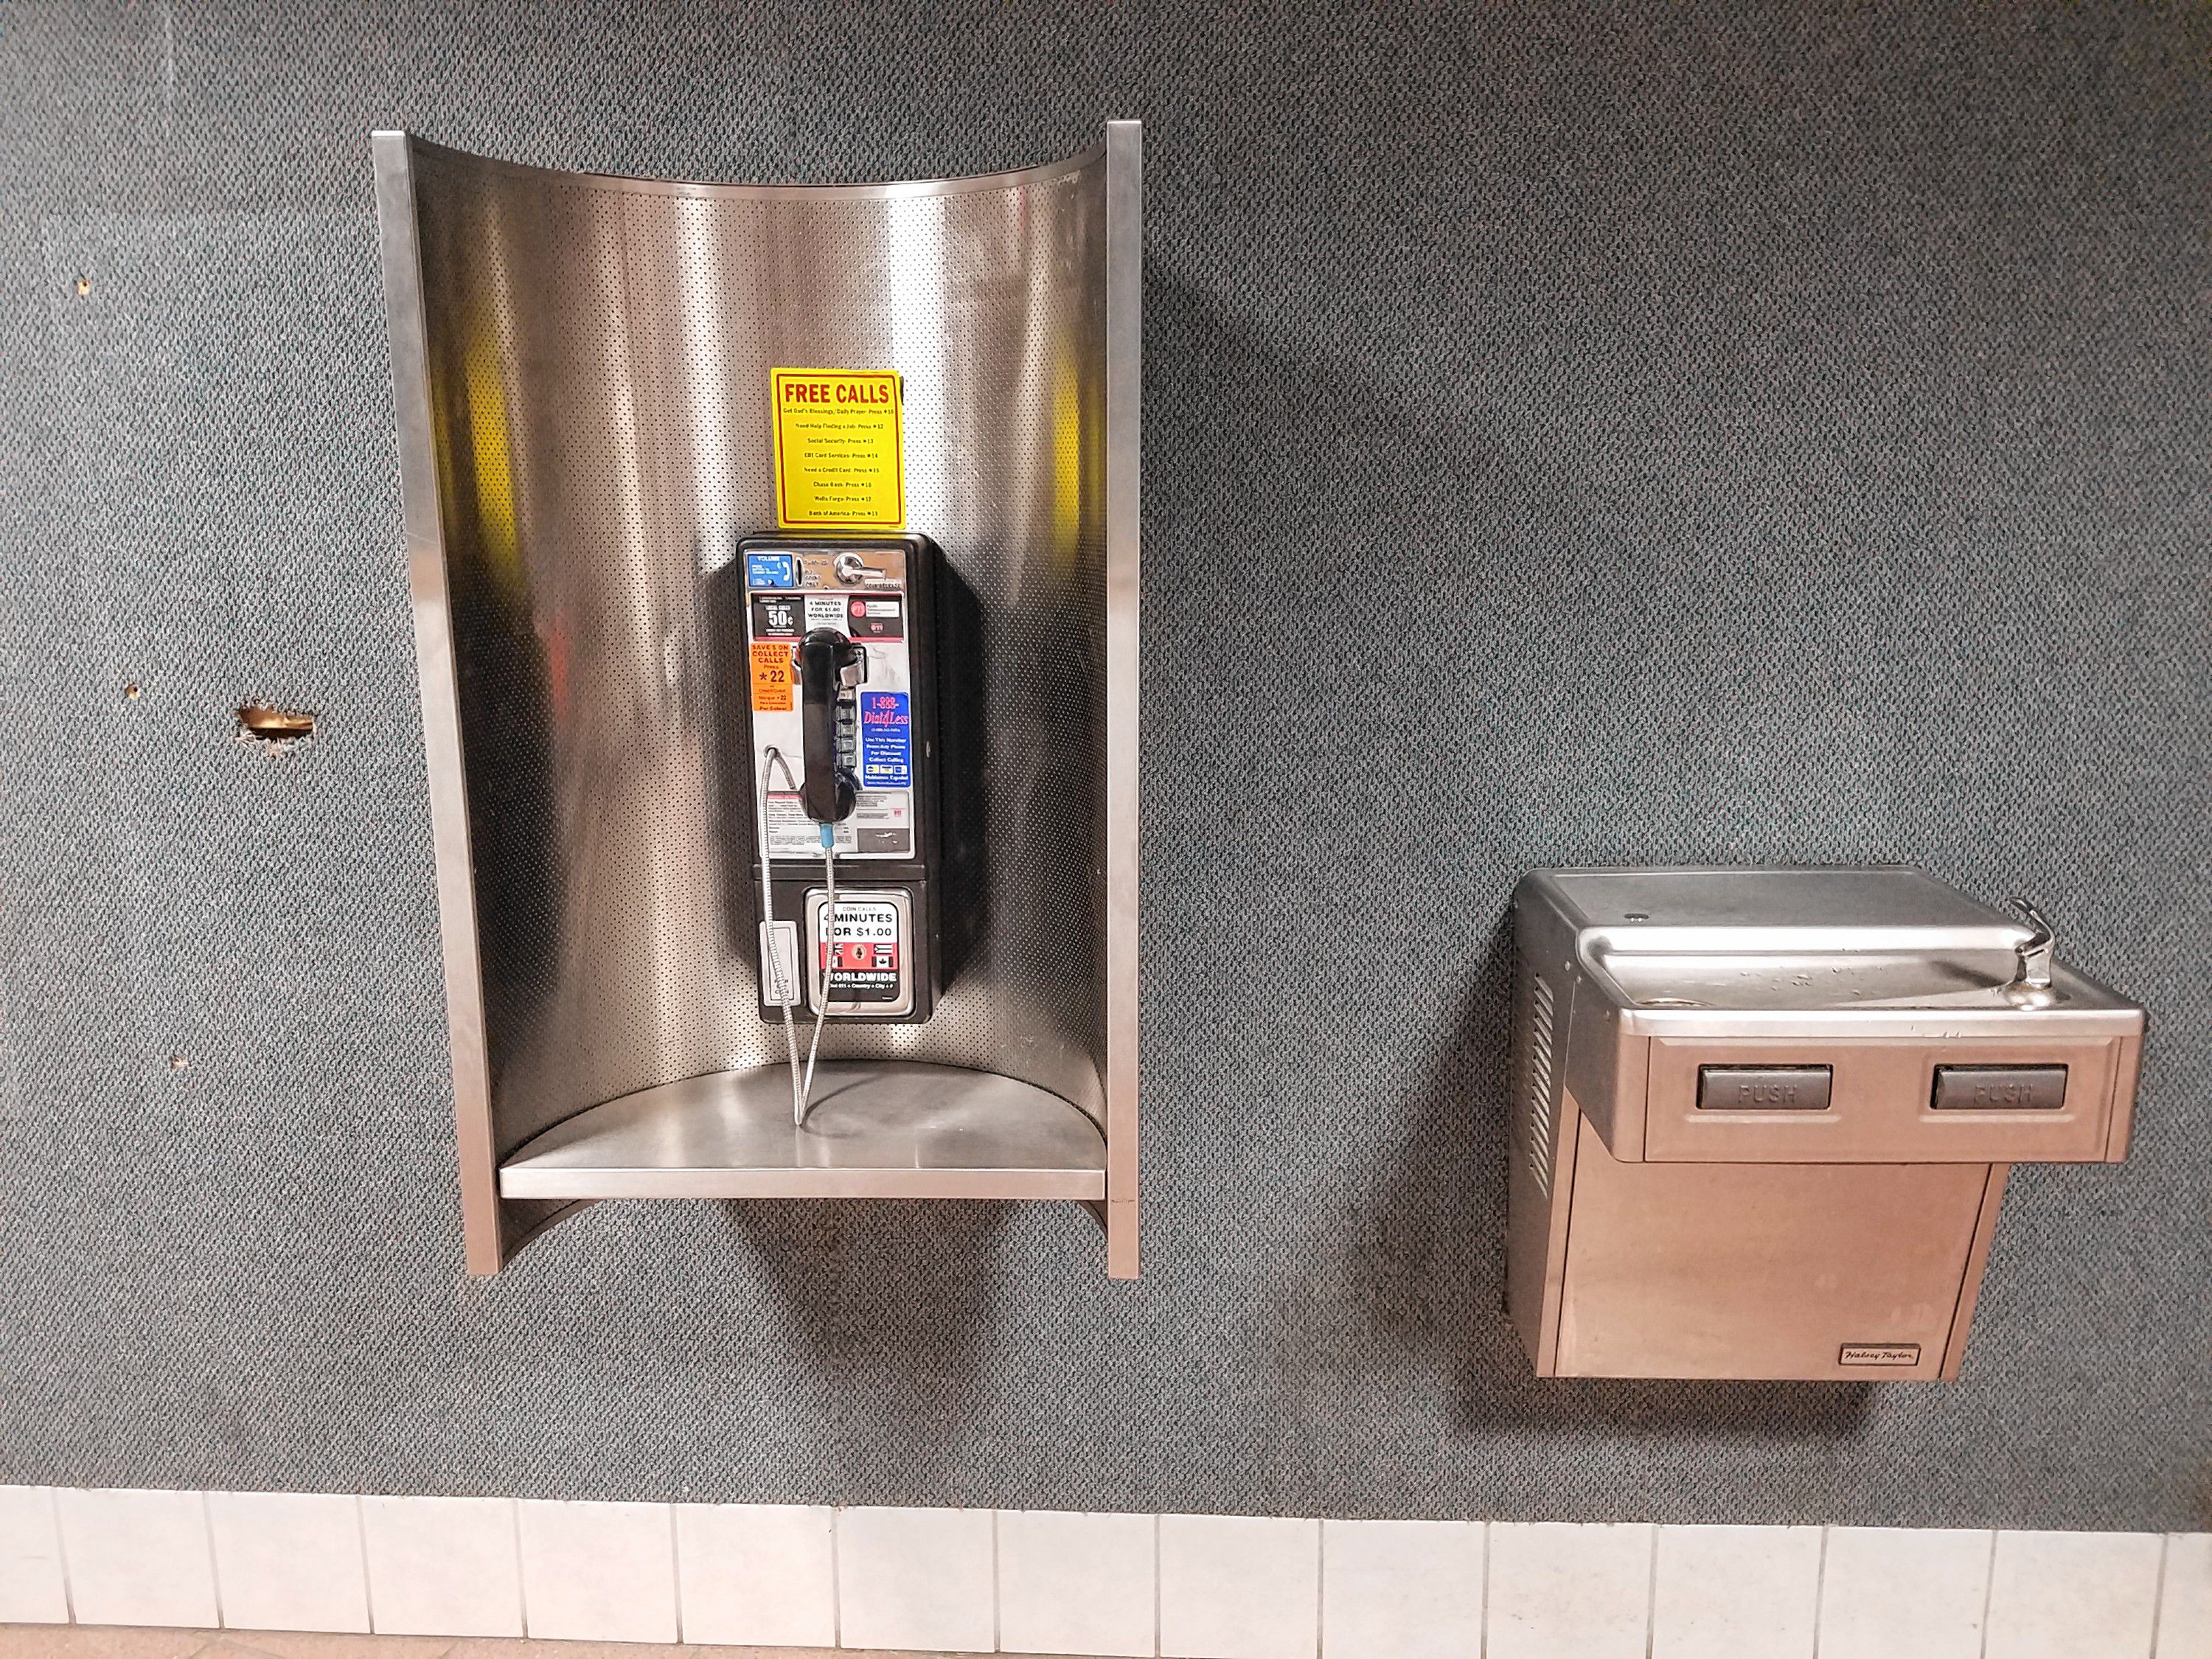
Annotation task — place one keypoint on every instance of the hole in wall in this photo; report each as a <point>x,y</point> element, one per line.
<point>83,287</point>
<point>274,728</point>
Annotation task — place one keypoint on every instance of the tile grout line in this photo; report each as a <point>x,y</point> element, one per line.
<point>1651,1598</point>
<point>1821,1592</point>
<point>361,1537</point>
<point>1482,1639</point>
<point>61,1554</point>
<point>675,1573</point>
<point>1156,1584</point>
<point>1988,1592</point>
<point>2158,1592</point>
<point>1321,1582</point>
<point>215,1569</point>
<point>521,1594</point>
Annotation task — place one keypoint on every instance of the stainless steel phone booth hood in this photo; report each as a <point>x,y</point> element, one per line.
<point>583,366</point>
<point>1762,1118</point>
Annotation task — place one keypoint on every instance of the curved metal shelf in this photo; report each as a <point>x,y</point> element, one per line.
<point>878,1129</point>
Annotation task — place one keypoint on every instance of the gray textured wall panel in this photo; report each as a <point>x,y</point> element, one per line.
<point>1694,436</point>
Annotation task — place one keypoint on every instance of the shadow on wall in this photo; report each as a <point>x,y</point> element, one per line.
<point>1445,1200</point>
<point>1393,1273</point>
<point>963,694</point>
<point>892,1305</point>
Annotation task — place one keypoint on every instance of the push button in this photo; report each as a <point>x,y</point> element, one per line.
<point>2000,1088</point>
<point>1763,1088</point>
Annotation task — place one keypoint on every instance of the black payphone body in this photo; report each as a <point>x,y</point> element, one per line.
<point>841,733</point>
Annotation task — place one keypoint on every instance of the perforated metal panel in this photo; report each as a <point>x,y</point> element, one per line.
<point>598,354</point>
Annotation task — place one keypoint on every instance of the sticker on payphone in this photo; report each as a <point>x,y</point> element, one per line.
<point>881,826</point>
<point>862,956</point>
<point>886,740</point>
<point>781,615</point>
<point>874,617</point>
<point>771,662</point>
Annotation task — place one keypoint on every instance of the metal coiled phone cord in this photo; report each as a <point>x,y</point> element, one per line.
<point>802,1086</point>
<point>829,966</point>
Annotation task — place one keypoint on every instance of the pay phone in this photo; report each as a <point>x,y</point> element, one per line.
<point>838,641</point>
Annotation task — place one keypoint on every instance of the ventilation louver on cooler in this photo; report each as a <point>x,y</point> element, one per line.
<point>1536,1114</point>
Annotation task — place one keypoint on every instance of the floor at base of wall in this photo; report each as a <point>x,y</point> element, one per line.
<point>120,1642</point>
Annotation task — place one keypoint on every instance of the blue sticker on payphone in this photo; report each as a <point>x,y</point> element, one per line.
<point>767,570</point>
<point>886,741</point>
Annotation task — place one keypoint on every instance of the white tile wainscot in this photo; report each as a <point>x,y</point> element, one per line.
<point>916,1578</point>
<point>1736,1593</point>
<point>758,1575</point>
<point>947,1581</point>
<point>2054,1594</point>
<point>1239,1587</point>
<point>33,1591</point>
<point>1904,1593</point>
<point>2184,1607</point>
<point>597,1573</point>
<point>1076,1583</point>
<point>1560,1590</point>
<point>288,1560</point>
<point>1401,1589</point>
<point>138,1557</point>
<point>442,1566</point>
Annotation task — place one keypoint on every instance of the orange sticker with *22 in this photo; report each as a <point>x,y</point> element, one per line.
<point>772,677</point>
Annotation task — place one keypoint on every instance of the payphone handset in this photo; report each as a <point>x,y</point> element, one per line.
<point>830,667</point>
<point>839,640</point>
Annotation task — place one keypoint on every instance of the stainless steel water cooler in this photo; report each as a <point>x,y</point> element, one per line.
<point>1762,1118</point>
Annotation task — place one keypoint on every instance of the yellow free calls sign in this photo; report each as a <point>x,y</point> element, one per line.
<point>838,461</point>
